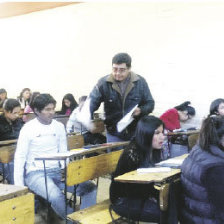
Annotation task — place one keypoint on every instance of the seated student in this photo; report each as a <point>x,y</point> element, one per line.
<point>172,119</point>
<point>10,126</point>
<point>24,97</point>
<point>217,107</point>
<point>3,97</point>
<point>28,108</point>
<point>174,116</point>
<point>73,125</point>
<point>139,201</point>
<point>68,104</point>
<point>10,122</point>
<point>44,135</point>
<point>202,176</point>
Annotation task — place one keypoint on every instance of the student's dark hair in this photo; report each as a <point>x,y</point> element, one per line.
<point>73,105</point>
<point>122,58</point>
<point>10,104</point>
<point>23,90</point>
<point>211,131</point>
<point>144,134</point>
<point>185,107</point>
<point>42,101</point>
<point>33,96</point>
<point>215,105</point>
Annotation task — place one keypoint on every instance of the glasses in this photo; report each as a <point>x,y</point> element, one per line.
<point>115,69</point>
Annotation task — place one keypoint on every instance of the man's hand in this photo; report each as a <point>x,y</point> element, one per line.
<point>136,112</point>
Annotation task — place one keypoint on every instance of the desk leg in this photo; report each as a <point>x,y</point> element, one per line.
<point>65,190</point>
<point>3,173</point>
<point>45,178</point>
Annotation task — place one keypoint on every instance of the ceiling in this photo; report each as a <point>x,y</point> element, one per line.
<point>8,9</point>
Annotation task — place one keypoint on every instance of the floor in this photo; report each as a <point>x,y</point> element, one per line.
<point>103,193</point>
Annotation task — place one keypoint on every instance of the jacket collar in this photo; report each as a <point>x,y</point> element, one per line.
<point>133,77</point>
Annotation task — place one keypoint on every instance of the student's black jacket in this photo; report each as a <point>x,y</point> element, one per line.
<point>9,131</point>
<point>131,159</point>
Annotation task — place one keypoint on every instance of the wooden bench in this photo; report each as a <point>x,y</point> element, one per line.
<point>80,171</point>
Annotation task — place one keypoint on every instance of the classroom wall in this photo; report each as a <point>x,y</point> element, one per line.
<point>177,47</point>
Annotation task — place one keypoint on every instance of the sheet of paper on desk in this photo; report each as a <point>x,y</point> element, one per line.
<point>154,170</point>
<point>126,120</point>
<point>174,163</point>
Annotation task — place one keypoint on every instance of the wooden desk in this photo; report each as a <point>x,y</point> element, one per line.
<point>183,133</point>
<point>8,142</point>
<point>161,182</point>
<point>16,205</point>
<point>74,154</point>
<point>146,178</point>
<point>82,151</point>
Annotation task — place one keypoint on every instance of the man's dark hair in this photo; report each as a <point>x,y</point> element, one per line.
<point>42,101</point>
<point>10,104</point>
<point>122,58</point>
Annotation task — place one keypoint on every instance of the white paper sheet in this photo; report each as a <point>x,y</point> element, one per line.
<point>154,170</point>
<point>171,162</point>
<point>126,120</point>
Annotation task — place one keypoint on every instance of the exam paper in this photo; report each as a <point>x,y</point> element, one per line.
<point>174,163</point>
<point>154,170</point>
<point>126,120</point>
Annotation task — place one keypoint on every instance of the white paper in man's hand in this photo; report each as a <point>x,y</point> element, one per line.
<point>126,120</point>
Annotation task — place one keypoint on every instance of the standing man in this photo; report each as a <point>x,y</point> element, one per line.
<point>121,91</point>
<point>44,135</point>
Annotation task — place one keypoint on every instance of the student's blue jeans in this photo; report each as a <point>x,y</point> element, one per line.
<point>8,171</point>
<point>113,138</point>
<point>36,182</point>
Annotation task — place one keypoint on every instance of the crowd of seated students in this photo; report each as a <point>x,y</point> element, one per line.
<point>145,149</point>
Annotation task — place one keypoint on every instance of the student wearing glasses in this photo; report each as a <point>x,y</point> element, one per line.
<point>120,91</point>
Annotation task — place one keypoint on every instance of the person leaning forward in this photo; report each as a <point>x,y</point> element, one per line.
<point>121,91</point>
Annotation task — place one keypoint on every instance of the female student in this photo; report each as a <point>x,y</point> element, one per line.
<point>28,108</point>
<point>24,97</point>
<point>202,176</point>
<point>139,201</point>
<point>174,116</point>
<point>217,107</point>
<point>68,104</point>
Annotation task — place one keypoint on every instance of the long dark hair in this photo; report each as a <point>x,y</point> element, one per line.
<point>211,132</point>
<point>185,107</point>
<point>33,96</point>
<point>215,106</point>
<point>73,104</point>
<point>144,134</point>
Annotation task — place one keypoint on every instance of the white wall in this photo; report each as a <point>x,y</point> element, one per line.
<point>177,47</point>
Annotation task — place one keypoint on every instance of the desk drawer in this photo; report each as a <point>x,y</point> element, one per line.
<point>19,210</point>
